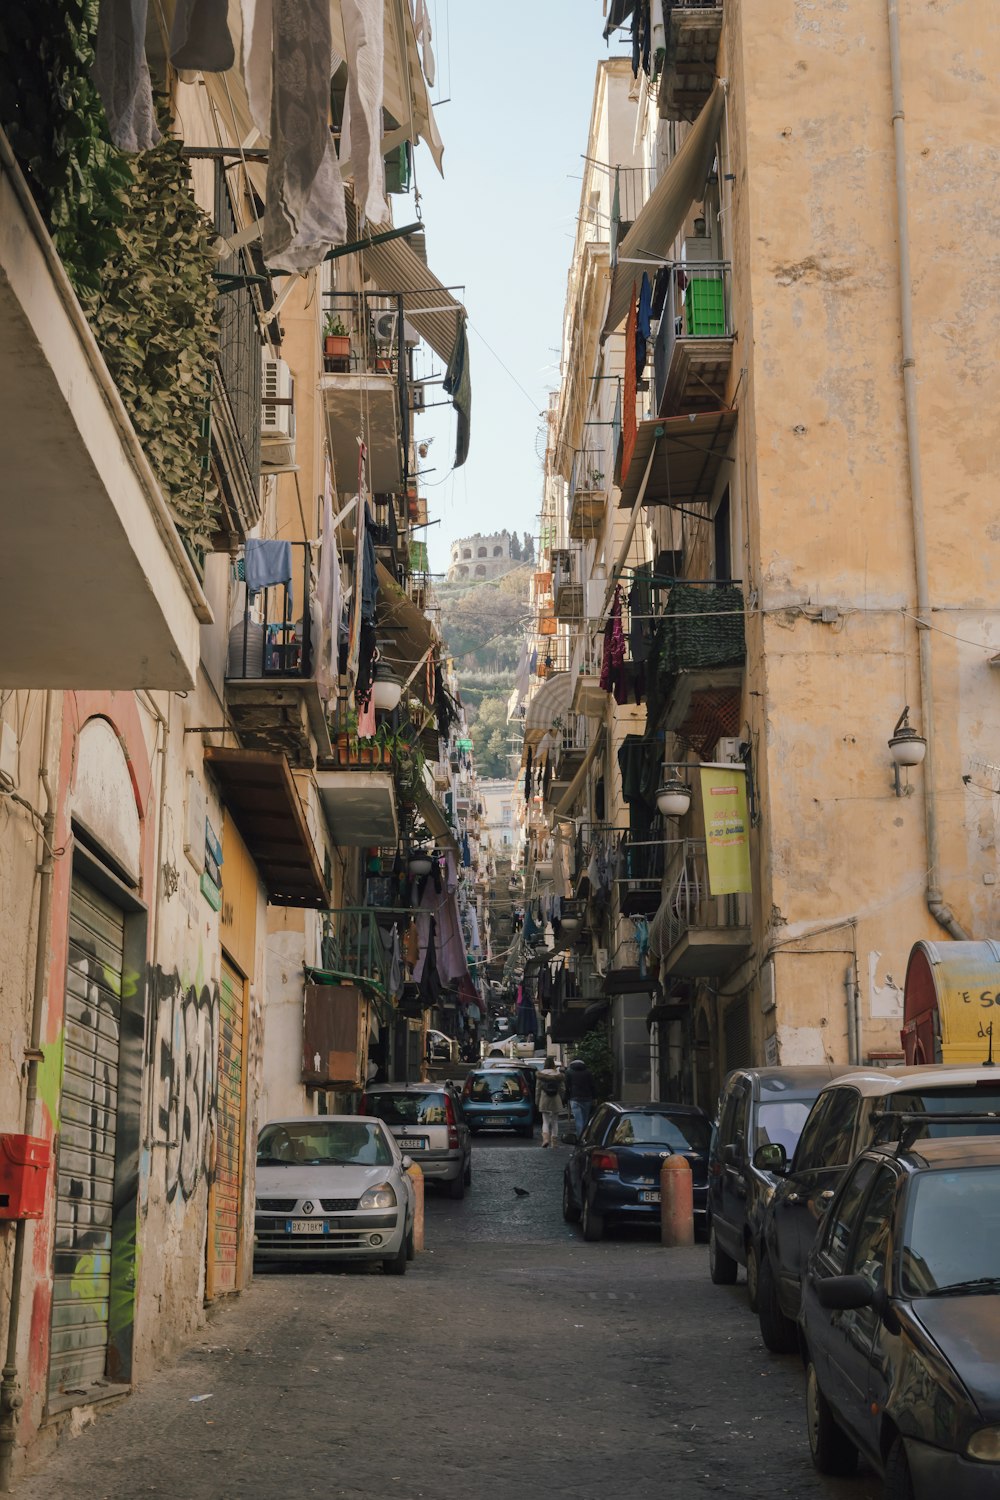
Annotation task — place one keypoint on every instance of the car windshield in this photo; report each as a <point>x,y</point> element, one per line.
<point>681,1132</point>
<point>495,1085</point>
<point>408,1109</point>
<point>952,1231</point>
<point>974,1099</point>
<point>780,1123</point>
<point>323,1143</point>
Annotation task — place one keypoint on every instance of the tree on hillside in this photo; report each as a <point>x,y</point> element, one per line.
<point>515,546</point>
<point>529,547</point>
<point>490,736</point>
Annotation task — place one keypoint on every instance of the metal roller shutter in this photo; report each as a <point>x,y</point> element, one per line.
<point>736,1027</point>
<point>87,1129</point>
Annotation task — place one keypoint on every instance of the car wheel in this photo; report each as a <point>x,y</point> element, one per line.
<point>467,1174</point>
<point>395,1265</point>
<point>411,1248</point>
<point>721,1267</point>
<point>832,1450</point>
<point>778,1332</point>
<point>753,1274</point>
<point>592,1221</point>
<point>569,1209</point>
<point>456,1187</point>
<point>898,1484</point>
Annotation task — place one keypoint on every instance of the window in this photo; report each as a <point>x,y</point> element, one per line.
<point>829,1131</point>
<point>871,1241</point>
<point>481,552</point>
<point>733,1118</point>
<point>308,1142</point>
<point>467,552</point>
<point>480,570</point>
<point>498,552</point>
<point>844,1211</point>
<point>597,1125</point>
<point>679,1132</point>
<point>780,1121</point>
<point>952,1228</point>
<point>407,1109</point>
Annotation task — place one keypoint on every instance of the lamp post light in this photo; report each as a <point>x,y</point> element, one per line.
<point>906,747</point>
<point>673,798</point>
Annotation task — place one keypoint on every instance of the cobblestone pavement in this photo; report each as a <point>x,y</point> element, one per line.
<point>513,1361</point>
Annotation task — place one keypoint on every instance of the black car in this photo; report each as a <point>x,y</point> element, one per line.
<point>900,1320</point>
<point>757,1107</point>
<point>613,1175</point>
<point>842,1123</point>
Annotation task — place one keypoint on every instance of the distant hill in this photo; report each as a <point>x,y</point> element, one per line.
<point>482,622</point>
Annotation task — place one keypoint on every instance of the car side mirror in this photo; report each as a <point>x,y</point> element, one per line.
<point>771,1158</point>
<point>407,1163</point>
<point>733,1154</point>
<point>845,1293</point>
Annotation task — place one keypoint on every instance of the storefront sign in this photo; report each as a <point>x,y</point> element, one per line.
<point>727,828</point>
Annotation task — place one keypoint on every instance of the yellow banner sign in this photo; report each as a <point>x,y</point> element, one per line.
<point>727,828</point>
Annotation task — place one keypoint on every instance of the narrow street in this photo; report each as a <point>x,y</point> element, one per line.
<point>513,1360</point>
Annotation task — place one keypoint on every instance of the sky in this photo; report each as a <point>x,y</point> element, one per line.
<point>518,79</point>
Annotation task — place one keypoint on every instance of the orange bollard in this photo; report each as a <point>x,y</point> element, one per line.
<point>416,1176</point>
<point>676,1203</point>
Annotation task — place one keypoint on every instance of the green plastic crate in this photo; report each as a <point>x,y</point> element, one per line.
<point>705,307</point>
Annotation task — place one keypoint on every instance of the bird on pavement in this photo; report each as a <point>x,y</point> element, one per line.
<point>522,1192</point>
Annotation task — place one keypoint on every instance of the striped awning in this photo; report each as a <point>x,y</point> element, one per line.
<point>550,703</point>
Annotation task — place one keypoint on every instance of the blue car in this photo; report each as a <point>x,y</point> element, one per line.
<point>613,1175</point>
<point>498,1098</point>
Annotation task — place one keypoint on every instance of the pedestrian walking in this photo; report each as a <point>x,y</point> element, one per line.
<point>580,1092</point>
<point>549,1092</point>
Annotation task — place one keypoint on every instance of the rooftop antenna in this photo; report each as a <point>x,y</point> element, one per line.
<point>989,1063</point>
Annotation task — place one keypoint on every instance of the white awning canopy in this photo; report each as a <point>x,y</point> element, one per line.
<point>550,703</point>
<point>435,314</point>
<point>662,217</point>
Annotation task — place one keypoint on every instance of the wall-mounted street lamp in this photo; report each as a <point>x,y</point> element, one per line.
<point>674,795</point>
<point>906,747</point>
<point>386,688</point>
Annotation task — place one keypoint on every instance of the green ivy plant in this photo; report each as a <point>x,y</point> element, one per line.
<point>133,242</point>
<point>594,1047</point>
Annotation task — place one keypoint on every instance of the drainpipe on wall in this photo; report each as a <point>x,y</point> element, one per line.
<point>935,902</point>
<point>11,1400</point>
<point>853,1051</point>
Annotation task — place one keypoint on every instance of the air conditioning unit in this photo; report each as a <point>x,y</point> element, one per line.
<point>384,327</point>
<point>727,751</point>
<point>417,398</point>
<point>277,418</point>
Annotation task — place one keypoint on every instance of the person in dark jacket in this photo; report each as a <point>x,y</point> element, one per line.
<point>580,1092</point>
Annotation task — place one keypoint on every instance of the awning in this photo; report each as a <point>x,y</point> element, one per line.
<point>690,451</point>
<point>405,634</point>
<point>662,217</point>
<point>260,792</point>
<point>436,315</point>
<point>576,786</point>
<point>550,703</point>
<point>437,824</point>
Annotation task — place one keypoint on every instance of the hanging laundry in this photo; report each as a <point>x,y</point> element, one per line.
<point>361,130</point>
<point>643,319</point>
<point>422,28</point>
<point>121,74</point>
<point>613,677</point>
<point>267,564</point>
<point>329,596</point>
<point>199,37</point>
<point>411,944</point>
<point>306,212</point>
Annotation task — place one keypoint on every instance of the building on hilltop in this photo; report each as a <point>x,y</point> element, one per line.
<point>480,556</point>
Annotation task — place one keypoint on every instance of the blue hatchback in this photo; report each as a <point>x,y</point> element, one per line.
<point>499,1098</point>
<point>613,1175</point>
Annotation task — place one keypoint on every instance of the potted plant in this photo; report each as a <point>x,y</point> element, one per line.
<point>336,339</point>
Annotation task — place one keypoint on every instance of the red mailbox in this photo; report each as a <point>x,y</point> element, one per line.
<point>24,1170</point>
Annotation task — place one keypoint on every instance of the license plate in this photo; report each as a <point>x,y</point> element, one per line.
<point>306,1226</point>
<point>649,1196</point>
<point>412,1145</point>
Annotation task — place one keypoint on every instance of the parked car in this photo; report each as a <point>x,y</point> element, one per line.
<point>441,1048</point>
<point>757,1106</point>
<point>499,1098</point>
<point>427,1122</point>
<point>900,1320</point>
<point>613,1175</point>
<point>332,1187</point>
<point>530,1067</point>
<point>841,1123</point>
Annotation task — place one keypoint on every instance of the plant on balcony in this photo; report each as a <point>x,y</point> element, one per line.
<point>133,242</point>
<point>336,339</point>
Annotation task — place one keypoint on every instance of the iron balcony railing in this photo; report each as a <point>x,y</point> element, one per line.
<point>589,472</point>
<point>698,305</point>
<point>689,904</point>
<point>353,946</point>
<point>238,372</point>
<point>273,639</point>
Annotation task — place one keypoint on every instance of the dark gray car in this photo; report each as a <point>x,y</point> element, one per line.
<point>428,1124</point>
<point>757,1107</point>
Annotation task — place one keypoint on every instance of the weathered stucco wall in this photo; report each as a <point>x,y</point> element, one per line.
<point>822,422</point>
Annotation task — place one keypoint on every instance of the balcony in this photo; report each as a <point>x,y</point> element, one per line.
<point>588,495</point>
<point>237,383</point>
<point>696,934</point>
<point>356,785</point>
<point>353,947</point>
<point>99,591</point>
<point>365,389</point>
<point>689,67</point>
<point>697,690</point>
<point>567,589</point>
<point>640,883</point>
<point>272,691</point>
<point>588,696</point>
<point>693,351</point>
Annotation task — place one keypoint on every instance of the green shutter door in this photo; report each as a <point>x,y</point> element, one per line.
<point>86,1156</point>
<point>222,1270</point>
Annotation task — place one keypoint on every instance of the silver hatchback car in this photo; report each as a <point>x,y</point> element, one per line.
<point>427,1122</point>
